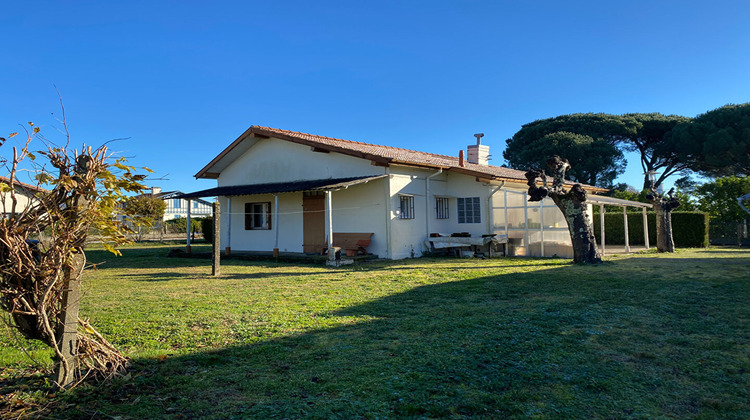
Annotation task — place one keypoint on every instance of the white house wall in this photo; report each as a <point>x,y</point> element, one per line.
<point>408,235</point>
<point>290,224</point>
<point>273,160</point>
<point>359,208</point>
<point>23,200</point>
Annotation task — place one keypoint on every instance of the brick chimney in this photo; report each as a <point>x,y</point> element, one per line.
<point>478,153</point>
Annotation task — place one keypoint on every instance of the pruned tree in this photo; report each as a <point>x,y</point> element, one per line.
<point>663,206</point>
<point>84,188</point>
<point>571,200</point>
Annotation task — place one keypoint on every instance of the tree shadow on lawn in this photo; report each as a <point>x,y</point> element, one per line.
<point>157,258</point>
<point>175,275</point>
<point>464,263</point>
<point>563,342</point>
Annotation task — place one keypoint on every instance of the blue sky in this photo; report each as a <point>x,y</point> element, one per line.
<point>182,79</point>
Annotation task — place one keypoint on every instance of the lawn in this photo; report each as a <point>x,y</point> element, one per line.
<point>642,336</point>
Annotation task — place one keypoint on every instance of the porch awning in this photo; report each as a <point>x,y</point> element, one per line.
<point>611,201</point>
<point>330,184</point>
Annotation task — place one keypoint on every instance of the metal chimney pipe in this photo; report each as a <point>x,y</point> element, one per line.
<point>461,158</point>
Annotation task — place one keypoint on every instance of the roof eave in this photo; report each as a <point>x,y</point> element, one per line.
<point>206,171</point>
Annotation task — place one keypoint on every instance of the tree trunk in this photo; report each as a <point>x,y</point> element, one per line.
<point>739,233</point>
<point>646,182</point>
<point>572,204</point>
<point>580,227</point>
<point>67,335</point>
<point>663,206</point>
<point>664,238</point>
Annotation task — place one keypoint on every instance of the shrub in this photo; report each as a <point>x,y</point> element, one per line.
<point>690,228</point>
<point>180,225</point>
<point>207,224</point>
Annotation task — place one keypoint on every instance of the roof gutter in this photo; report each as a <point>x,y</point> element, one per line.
<point>490,213</point>
<point>427,202</point>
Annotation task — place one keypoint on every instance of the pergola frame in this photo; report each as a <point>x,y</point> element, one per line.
<point>611,201</point>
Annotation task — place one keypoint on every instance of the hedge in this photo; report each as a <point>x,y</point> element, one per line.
<point>689,228</point>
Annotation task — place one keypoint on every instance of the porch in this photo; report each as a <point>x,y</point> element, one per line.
<point>292,219</point>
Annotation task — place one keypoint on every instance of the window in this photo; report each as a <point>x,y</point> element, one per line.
<point>469,210</point>
<point>441,207</point>
<point>176,203</point>
<point>258,216</point>
<point>407,207</point>
<point>196,204</point>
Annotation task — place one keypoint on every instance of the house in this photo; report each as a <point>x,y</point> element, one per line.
<point>178,207</point>
<point>292,191</point>
<point>24,194</point>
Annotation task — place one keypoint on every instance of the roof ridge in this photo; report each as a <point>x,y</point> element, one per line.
<point>356,142</point>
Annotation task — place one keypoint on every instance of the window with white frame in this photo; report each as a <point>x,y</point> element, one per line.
<point>469,210</point>
<point>441,208</point>
<point>258,216</point>
<point>407,207</point>
<point>176,203</point>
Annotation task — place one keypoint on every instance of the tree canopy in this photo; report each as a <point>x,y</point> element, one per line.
<point>719,198</point>
<point>594,144</point>
<point>149,208</point>
<point>649,139</point>
<point>717,142</point>
<point>588,140</point>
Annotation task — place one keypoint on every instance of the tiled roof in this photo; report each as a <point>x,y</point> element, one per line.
<point>385,155</point>
<point>30,187</point>
<point>396,154</point>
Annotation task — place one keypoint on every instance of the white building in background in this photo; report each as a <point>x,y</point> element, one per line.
<point>178,207</point>
<point>24,193</point>
<point>274,186</point>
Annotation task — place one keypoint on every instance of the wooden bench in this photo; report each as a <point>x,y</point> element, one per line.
<point>353,243</point>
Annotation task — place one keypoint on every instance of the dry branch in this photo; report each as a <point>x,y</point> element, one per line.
<point>84,194</point>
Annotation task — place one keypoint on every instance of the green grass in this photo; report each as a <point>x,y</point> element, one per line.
<point>643,336</point>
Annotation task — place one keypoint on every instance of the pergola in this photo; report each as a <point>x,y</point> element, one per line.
<point>611,201</point>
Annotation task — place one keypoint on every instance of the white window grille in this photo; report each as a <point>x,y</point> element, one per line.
<point>407,207</point>
<point>441,208</point>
